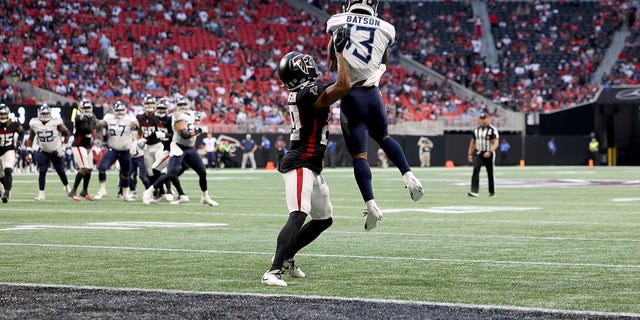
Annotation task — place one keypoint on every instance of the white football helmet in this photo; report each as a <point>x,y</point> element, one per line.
<point>4,113</point>
<point>149,103</point>
<point>183,104</point>
<point>86,107</point>
<point>44,113</point>
<point>361,6</point>
<point>119,109</point>
<point>162,107</point>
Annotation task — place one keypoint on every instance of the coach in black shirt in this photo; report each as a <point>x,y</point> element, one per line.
<point>482,152</point>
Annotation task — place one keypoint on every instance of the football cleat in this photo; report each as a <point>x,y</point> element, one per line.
<point>292,268</point>
<point>373,214</point>
<point>413,184</point>
<point>492,195</point>
<point>168,197</point>
<point>41,196</point>
<point>74,196</point>
<point>147,196</point>
<point>86,196</point>
<point>5,196</point>
<point>181,199</point>
<point>472,194</point>
<point>67,189</point>
<point>207,200</point>
<point>273,278</point>
<point>100,194</point>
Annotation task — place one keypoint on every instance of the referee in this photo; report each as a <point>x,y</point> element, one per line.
<point>482,147</point>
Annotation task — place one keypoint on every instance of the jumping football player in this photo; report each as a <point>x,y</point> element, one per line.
<point>362,109</point>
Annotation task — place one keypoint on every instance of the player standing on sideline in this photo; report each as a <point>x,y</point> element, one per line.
<point>52,148</point>
<point>306,191</point>
<point>362,110</point>
<point>119,128</point>
<point>184,126</point>
<point>482,152</point>
<point>85,129</point>
<point>8,146</point>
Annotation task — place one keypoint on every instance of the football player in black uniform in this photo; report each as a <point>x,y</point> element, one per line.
<point>8,148</point>
<point>306,191</point>
<point>85,130</point>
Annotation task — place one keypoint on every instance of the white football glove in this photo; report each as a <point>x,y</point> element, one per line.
<point>61,151</point>
<point>142,142</point>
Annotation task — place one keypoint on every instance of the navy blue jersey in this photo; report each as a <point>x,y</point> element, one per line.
<point>309,129</point>
<point>84,126</point>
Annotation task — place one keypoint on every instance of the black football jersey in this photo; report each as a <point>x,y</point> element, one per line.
<point>164,125</point>
<point>309,129</point>
<point>148,125</point>
<point>84,126</point>
<point>7,131</point>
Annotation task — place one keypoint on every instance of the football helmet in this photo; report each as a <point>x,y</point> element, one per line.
<point>183,104</point>
<point>361,6</point>
<point>44,113</point>
<point>4,113</point>
<point>86,107</point>
<point>119,109</point>
<point>297,69</point>
<point>149,103</point>
<point>162,107</point>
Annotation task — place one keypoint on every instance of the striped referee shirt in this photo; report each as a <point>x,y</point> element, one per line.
<point>483,137</point>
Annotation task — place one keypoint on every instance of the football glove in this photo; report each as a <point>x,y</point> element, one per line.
<point>341,39</point>
<point>160,135</point>
<point>198,130</point>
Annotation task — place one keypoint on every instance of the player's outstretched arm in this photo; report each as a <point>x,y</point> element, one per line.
<point>343,82</point>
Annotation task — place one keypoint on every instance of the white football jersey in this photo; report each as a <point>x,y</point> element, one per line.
<point>120,131</point>
<point>369,38</point>
<point>46,134</point>
<point>189,120</point>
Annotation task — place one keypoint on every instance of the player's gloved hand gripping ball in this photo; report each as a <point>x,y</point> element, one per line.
<point>341,39</point>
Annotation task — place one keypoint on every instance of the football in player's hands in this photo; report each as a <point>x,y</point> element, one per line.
<point>340,39</point>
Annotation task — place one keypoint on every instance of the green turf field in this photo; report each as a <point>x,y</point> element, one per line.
<point>554,237</point>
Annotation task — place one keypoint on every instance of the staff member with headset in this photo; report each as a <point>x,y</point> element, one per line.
<point>482,147</point>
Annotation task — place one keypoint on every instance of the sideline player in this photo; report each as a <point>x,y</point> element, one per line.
<point>8,146</point>
<point>119,127</point>
<point>306,191</point>
<point>362,109</point>
<point>185,130</point>
<point>52,137</point>
<point>85,130</point>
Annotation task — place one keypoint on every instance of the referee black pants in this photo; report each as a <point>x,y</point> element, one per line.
<point>488,163</point>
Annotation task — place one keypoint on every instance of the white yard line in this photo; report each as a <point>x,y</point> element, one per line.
<point>474,261</point>
<point>312,297</point>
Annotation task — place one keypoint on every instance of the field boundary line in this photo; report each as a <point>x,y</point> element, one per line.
<point>478,261</point>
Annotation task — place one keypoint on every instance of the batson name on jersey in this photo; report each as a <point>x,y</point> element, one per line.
<point>369,38</point>
<point>309,127</point>
<point>47,134</point>
<point>84,125</point>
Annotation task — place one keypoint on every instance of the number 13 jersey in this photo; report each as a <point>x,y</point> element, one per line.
<point>369,38</point>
